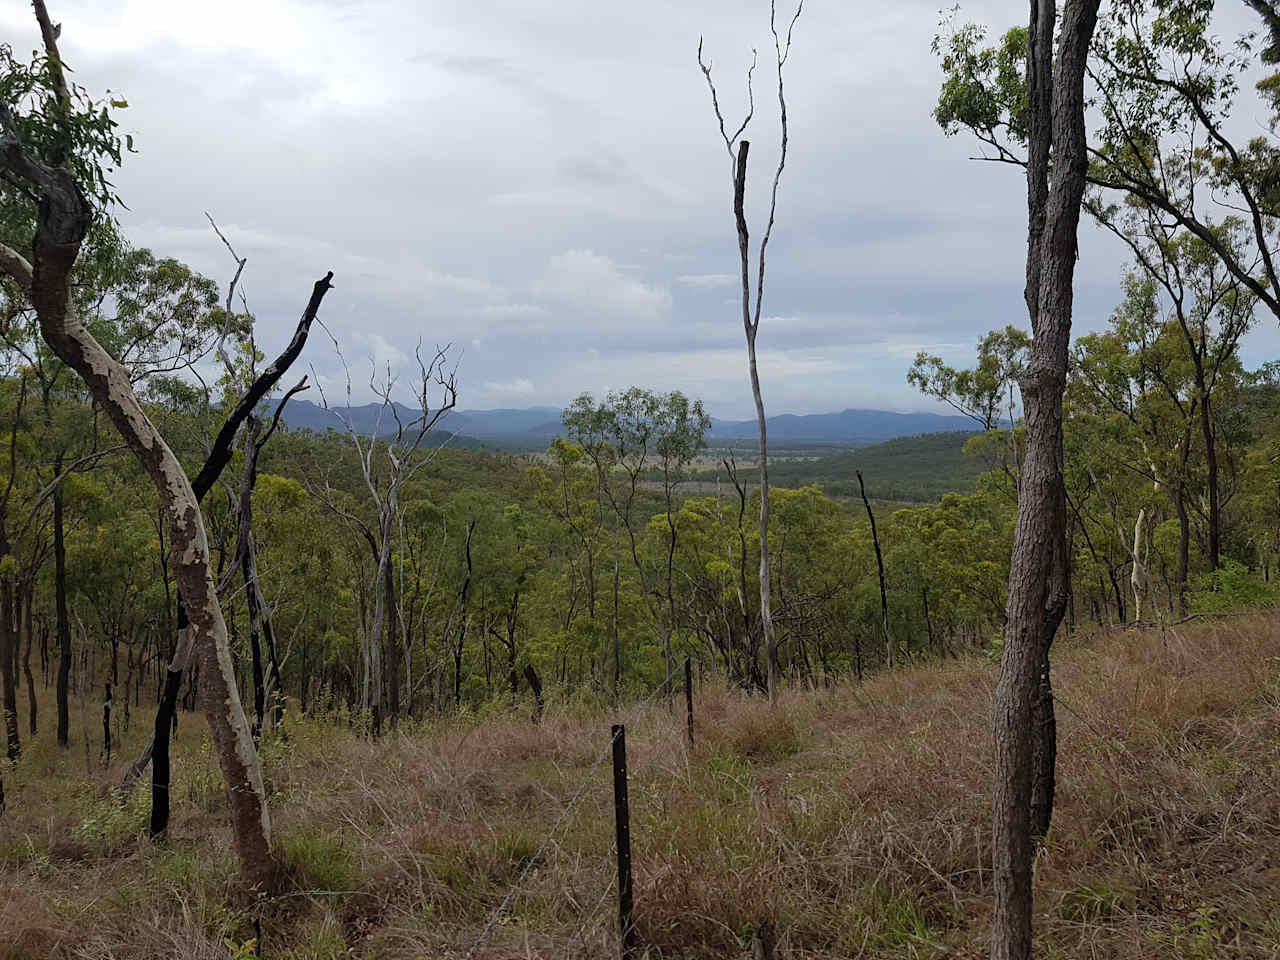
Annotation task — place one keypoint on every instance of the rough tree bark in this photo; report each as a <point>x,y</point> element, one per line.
<point>1022,716</point>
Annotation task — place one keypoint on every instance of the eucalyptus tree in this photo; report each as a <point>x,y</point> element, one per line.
<point>987,393</point>
<point>49,171</point>
<point>1023,97</point>
<point>626,435</point>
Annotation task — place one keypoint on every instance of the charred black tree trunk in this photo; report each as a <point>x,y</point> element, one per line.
<point>884,596</point>
<point>535,684</point>
<point>255,647</point>
<point>462,629</point>
<point>157,753</point>
<point>8,665</point>
<point>63,621</point>
<point>106,726</point>
<point>394,655</point>
<point>28,631</point>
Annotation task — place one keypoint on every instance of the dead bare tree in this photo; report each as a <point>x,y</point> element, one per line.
<point>750,312</point>
<point>884,596</point>
<point>1039,582</point>
<point>390,455</point>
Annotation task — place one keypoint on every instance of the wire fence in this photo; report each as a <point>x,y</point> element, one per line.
<point>565,814</point>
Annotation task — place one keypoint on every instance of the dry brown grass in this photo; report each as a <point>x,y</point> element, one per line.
<point>854,818</point>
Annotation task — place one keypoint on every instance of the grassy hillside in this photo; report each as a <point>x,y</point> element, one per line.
<point>855,818</point>
<point>917,469</point>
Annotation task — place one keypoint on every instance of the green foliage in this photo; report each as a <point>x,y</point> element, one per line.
<point>983,88</point>
<point>78,133</point>
<point>322,861</point>
<point>1230,589</point>
<point>108,823</point>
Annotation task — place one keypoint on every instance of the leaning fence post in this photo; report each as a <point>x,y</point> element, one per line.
<point>688,694</point>
<point>623,817</point>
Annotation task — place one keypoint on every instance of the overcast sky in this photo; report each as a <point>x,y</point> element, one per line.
<point>542,185</point>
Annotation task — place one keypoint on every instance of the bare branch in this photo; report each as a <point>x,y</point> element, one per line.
<point>729,141</point>
<point>221,349</point>
<point>300,386</point>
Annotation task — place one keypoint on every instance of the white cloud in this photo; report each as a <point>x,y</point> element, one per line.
<point>594,286</point>
<point>706,281</point>
<point>510,310</point>
<point>520,387</point>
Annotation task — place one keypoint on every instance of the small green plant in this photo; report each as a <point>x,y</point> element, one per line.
<point>1091,903</point>
<point>248,950</point>
<point>902,920</point>
<point>110,823</point>
<point>322,862</point>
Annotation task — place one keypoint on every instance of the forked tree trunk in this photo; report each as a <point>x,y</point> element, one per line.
<point>1022,715</point>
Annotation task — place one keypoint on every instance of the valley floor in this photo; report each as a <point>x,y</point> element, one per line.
<point>854,818</point>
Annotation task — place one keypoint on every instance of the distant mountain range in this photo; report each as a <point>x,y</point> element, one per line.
<point>534,427</point>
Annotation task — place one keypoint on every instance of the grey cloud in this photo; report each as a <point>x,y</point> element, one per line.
<point>538,181</point>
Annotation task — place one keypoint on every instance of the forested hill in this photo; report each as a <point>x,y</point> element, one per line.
<point>532,428</point>
<point>917,469</point>
<point>848,427</point>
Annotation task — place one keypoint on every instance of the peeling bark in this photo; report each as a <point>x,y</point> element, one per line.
<point>63,220</point>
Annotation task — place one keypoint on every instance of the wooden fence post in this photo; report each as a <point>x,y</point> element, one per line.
<point>622,815</point>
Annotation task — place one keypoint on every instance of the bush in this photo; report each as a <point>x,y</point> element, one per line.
<point>1231,588</point>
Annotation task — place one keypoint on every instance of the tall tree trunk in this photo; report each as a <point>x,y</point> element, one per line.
<point>275,682</point>
<point>617,636</point>
<point>751,328</point>
<point>1211,461</point>
<point>1184,545</point>
<point>884,597</point>
<point>28,633</point>
<point>255,646</point>
<point>1022,724</point>
<point>393,643</point>
<point>63,621</point>
<point>462,629</point>
<point>378,632</point>
<point>8,666</point>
